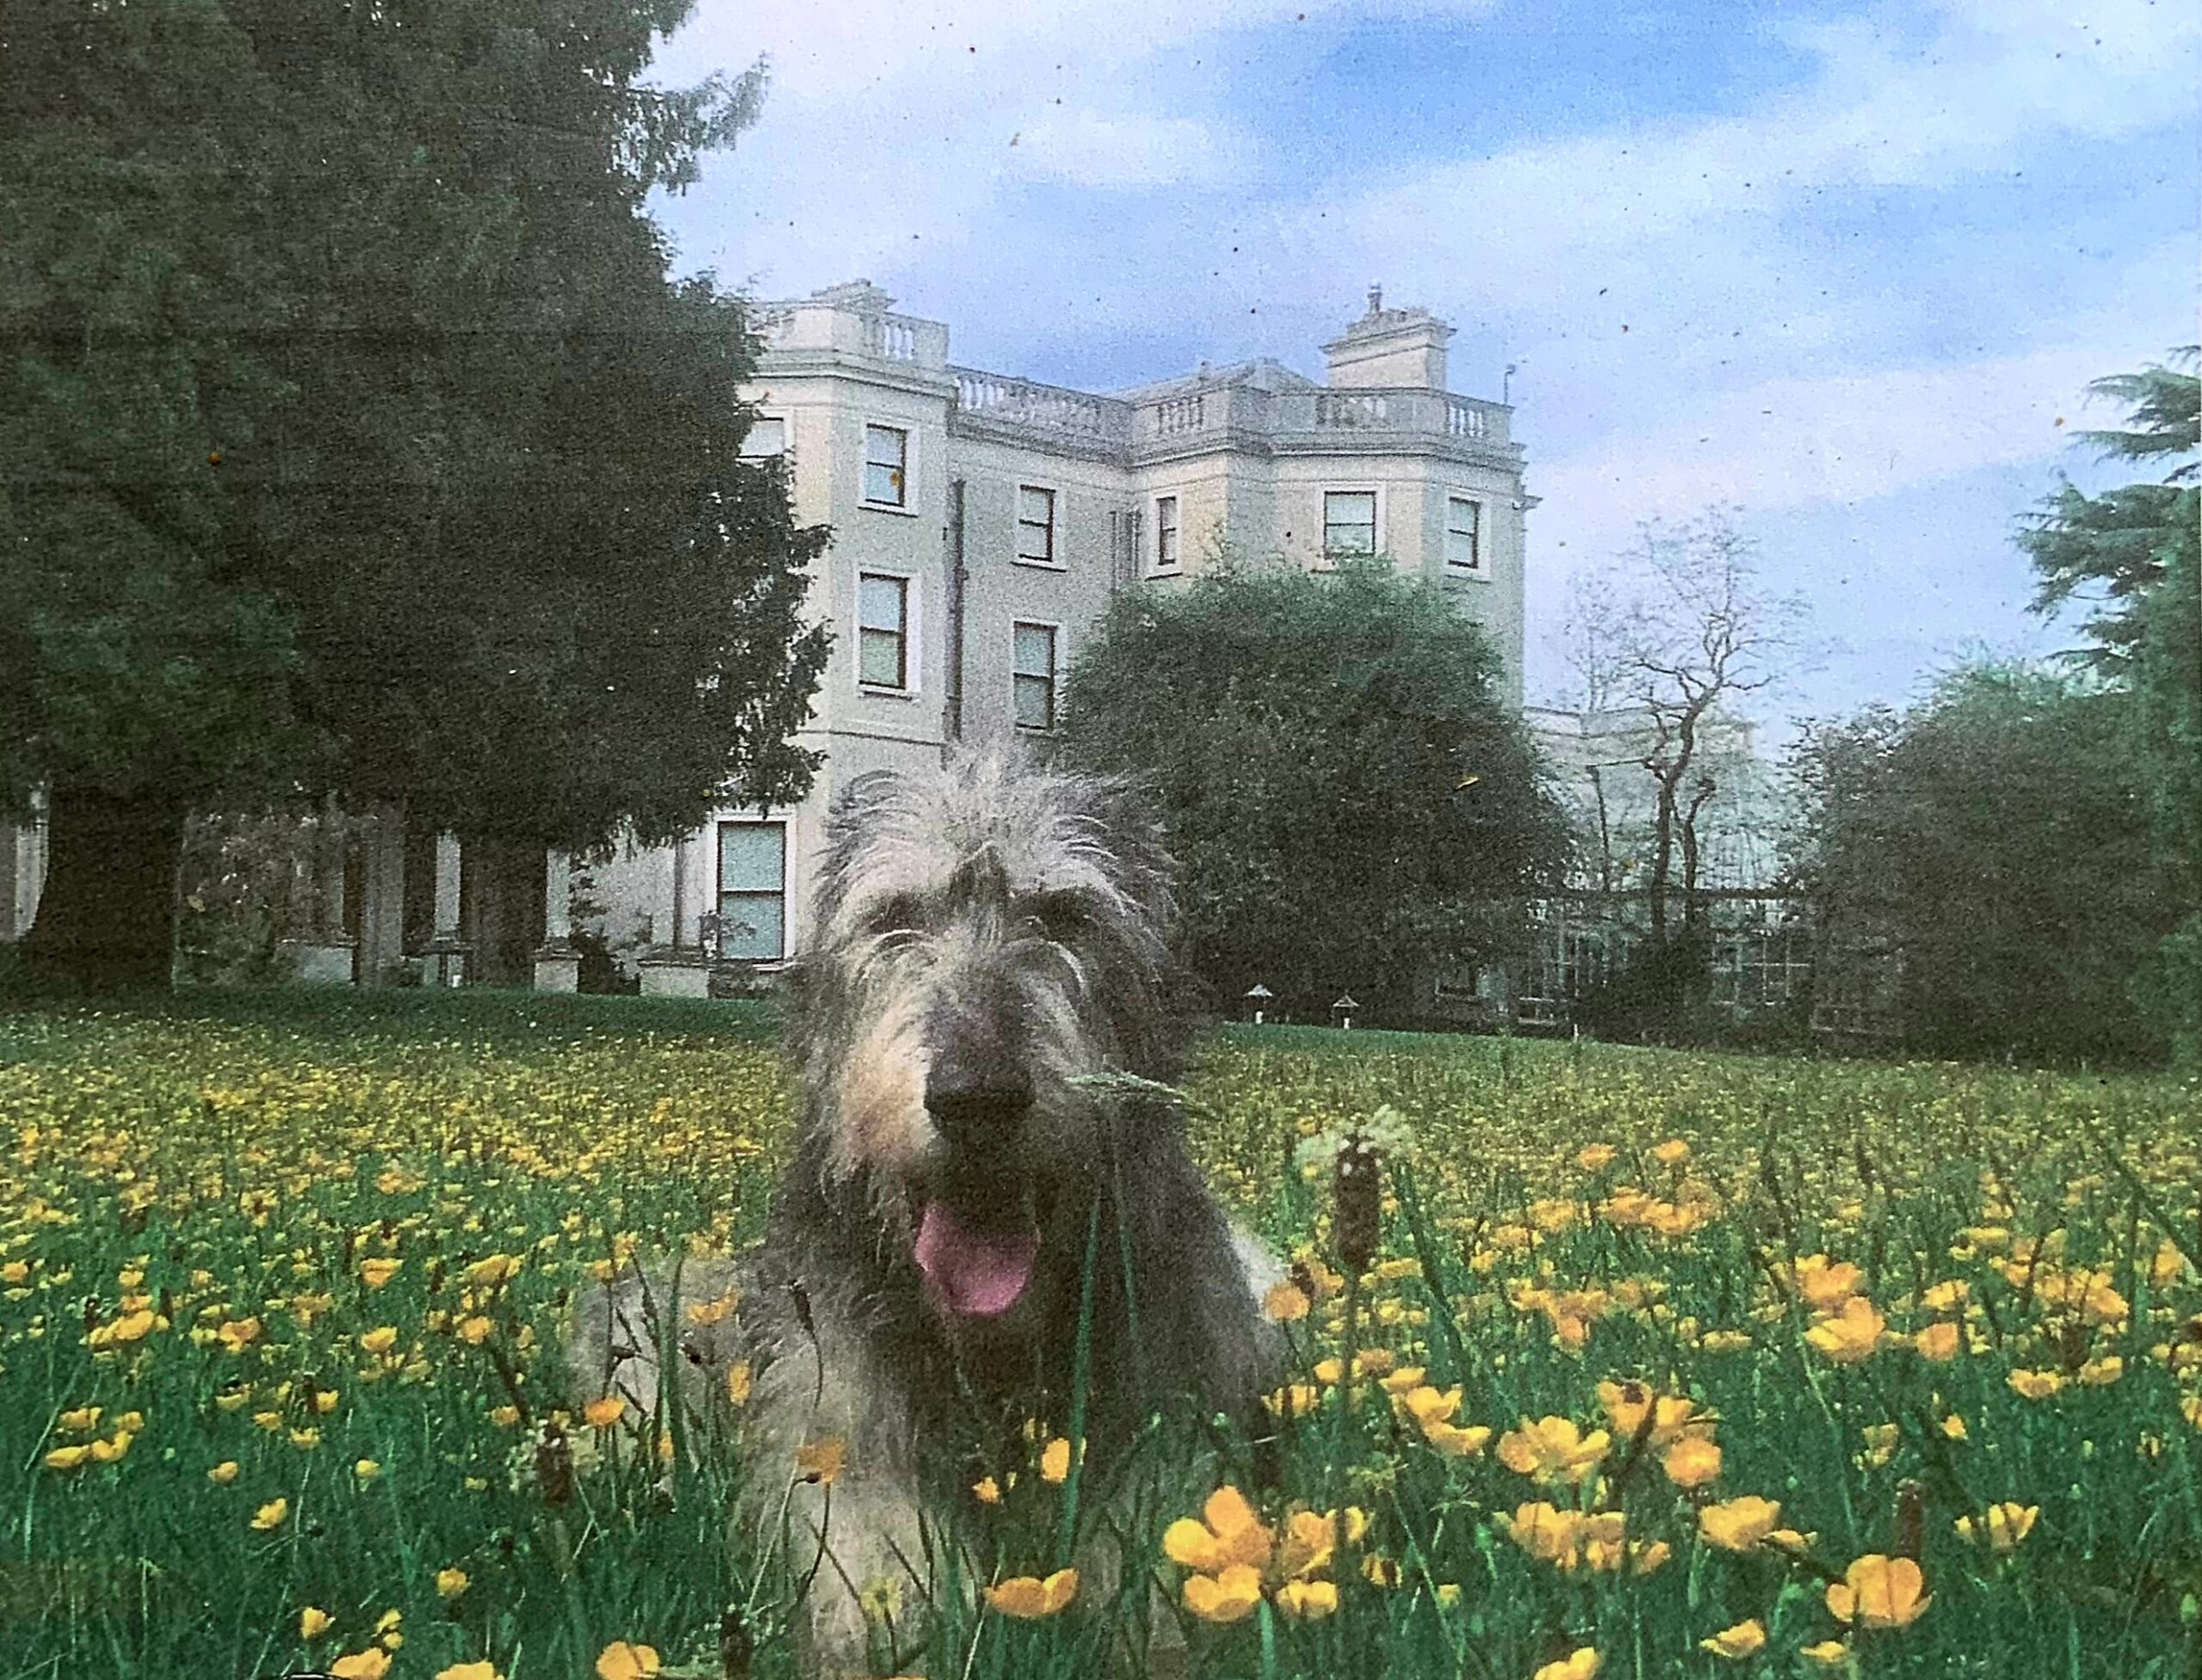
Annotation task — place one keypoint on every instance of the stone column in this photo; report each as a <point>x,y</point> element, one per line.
<point>11,847</point>
<point>557,964</point>
<point>444,964</point>
<point>678,967</point>
<point>382,897</point>
<point>319,949</point>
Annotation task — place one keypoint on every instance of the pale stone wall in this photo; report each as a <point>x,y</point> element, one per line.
<point>1247,451</point>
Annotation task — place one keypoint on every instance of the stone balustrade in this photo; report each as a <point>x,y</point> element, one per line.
<point>1020,408</point>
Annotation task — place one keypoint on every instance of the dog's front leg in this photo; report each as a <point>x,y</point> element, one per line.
<point>862,1542</point>
<point>833,1463</point>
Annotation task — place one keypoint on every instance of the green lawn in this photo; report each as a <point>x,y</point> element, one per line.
<point>199,1204</point>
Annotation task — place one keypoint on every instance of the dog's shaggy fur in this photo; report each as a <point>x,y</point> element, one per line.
<point>984,945</point>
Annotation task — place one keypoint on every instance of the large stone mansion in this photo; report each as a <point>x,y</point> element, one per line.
<point>981,524</point>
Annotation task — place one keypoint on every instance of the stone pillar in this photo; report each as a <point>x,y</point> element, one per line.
<point>678,968</point>
<point>557,964</point>
<point>11,849</point>
<point>319,949</point>
<point>382,897</point>
<point>444,964</point>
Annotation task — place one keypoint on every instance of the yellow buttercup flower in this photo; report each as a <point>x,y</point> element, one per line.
<point>738,1383</point>
<point>2004,1526</point>
<point>371,1663</point>
<point>1691,1462</point>
<point>1055,1462</point>
<point>1231,1534</point>
<point>1629,1405</point>
<point>604,1412</point>
<point>271,1515</point>
<point>1878,1592</point>
<point>1739,1524</point>
<point>224,1473</point>
<point>1594,1157</point>
<point>1307,1601</point>
<point>377,1272</point>
<point>1940,1342</point>
<point>497,1269</point>
<point>986,1491</point>
<point>1029,1598</point>
<point>1582,1663</point>
<point>1553,1450</point>
<point>238,1334</point>
<point>1455,1441</point>
<point>621,1661</point>
<point>1828,1653</point>
<point>1285,1303</point>
<point>68,1458</point>
<point>1545,1531</point>
<point>450,1583</point>
<point>481,1671</point>
<point>1229,1595</point>
<point>314,1622</point>
<point>1672,1153</point>
<point>1851,1334</point>
<point>822,1461</point>
<point>2035,1385</point>
<point>1743,1639</point>
<point>1826,1284</point>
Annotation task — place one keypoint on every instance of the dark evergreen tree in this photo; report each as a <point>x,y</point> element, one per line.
<point>2133,555</point>
<point>1354,804</point>
<point>1992,843</point>
<point>354,443</point>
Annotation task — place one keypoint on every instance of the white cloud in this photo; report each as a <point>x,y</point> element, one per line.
<point>1082,148</point>
<point>1847,437</point>
<point>888,126</point>
<point>1993,77</point>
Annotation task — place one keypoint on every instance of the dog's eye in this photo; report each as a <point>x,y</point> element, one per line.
<point>898,914</point>
<point>1060,915</point>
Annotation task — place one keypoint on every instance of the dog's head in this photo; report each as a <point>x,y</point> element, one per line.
<point>982,942</point>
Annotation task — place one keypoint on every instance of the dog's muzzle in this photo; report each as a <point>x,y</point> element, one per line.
<point>977,1238</point>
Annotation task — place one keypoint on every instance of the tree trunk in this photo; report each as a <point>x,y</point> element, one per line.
<point>1694,916</point>
<point>1605,835</point>
<point>1662,853</point>
<point>106,916</point>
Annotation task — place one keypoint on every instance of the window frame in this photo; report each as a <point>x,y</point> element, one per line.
<point>1473,566</point>
<point>906,582</point>
<point>754,459</point>
<point>901,503</point>
<point>1330,557</point>
<point>1055,675</point>
<point>1053,561</point>
<point>1160,566</point>
<point>724,892</point>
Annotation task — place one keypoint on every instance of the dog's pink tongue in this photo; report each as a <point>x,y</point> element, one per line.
<point>979,1274</point>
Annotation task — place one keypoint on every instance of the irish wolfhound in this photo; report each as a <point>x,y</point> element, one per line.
<point>984,945</point>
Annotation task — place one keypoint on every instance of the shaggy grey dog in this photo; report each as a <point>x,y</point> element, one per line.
<point>987,947</point>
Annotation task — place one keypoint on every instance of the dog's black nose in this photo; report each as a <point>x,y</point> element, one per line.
<point>977,1104</point>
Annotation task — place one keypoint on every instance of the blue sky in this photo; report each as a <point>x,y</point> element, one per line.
<point>1848,268</point>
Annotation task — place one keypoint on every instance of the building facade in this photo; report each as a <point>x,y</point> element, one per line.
<point>982,523</point>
